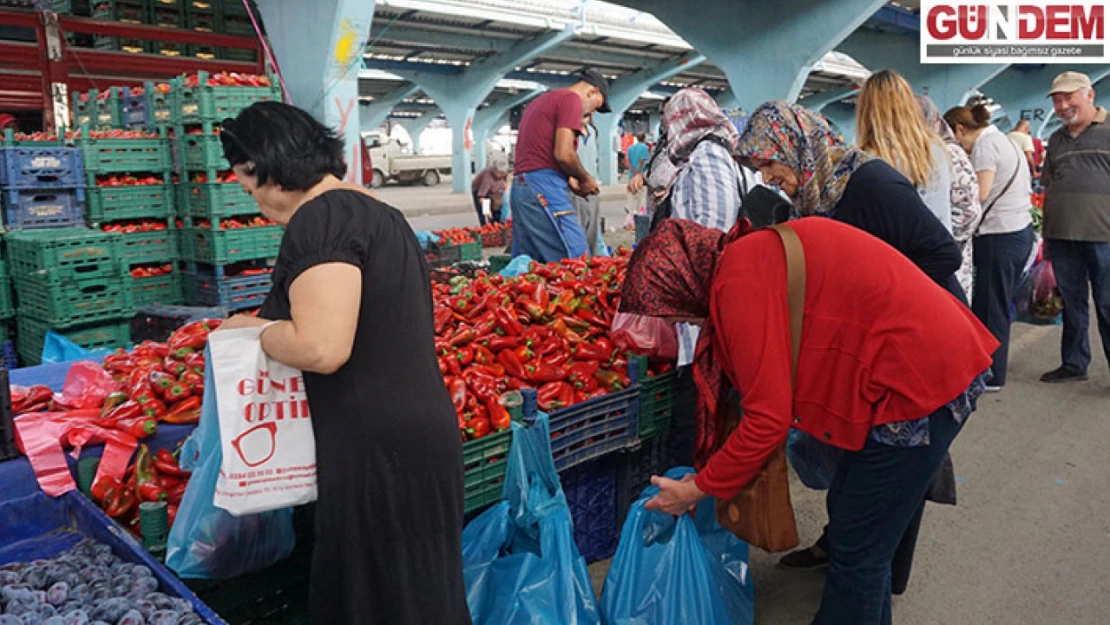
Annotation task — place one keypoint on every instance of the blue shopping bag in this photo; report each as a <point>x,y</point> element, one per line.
<point>813,461</point>
<point>207,542</point>
<point>677,569</point>
<point>520,562</point>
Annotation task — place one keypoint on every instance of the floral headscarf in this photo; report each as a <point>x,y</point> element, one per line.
<point>934,120</point>
<point>803,142</point>
<point>689,116</point>
<point>669,275</point>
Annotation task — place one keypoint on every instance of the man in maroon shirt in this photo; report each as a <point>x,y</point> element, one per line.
<point>545,224</point>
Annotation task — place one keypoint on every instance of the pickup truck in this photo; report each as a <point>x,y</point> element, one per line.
<point>392,162</point>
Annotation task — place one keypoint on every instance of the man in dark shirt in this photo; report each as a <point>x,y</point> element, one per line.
<point>1076,178</point>
<point>545,224</point>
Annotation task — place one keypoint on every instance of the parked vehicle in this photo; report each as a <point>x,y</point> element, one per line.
<point>393,162</point>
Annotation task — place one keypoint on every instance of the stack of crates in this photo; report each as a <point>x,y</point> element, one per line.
<point>102,110</point>
<point>203,16</point>
<point>149,106</point>
<point>41,184</point>
<point>235,21</point>
<point>124,11</point>
<point>131,193</point>
<point>167,14</point>
<point>72,281</point>
<point>228,265</point>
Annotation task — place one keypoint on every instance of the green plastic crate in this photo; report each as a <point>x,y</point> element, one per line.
<point>158,246</point>
<point>656,403</point>
<point>7,308</point>
<point>497,262</point>
<point>484,463</point>
<point>31,334</point>
<point>100,113</point>
<point>209,103</point>
<point>74,302</point>
<point>65,253</point>
<point>453,253</point>
<point>107,204</point>
<point>223,247</point>
<point>203,152</point>
<point>166,290</point>
<point>214,200</point>
<point>108,156</point>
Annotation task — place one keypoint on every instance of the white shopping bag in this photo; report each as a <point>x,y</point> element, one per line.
<point>487,209</point>
<point>269,452</point>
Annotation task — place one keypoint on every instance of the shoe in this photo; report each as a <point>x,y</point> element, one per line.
<point>804,559</point>
<point>1064,374</point>
<point>992,388</point>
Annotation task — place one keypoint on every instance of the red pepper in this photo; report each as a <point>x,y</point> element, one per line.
<point>462,337</point>
<point>591,317</point>
<point>175,493</point>
<point>161,381</point>
<point>442,317</point>
<point>557,358</point>
<point>543,372</point>
<point>535,311</point>
<point>482,355</point>
<point>152,491</point>
<point>195,361</point>
<point>507,321</point>
<point>477,427</point>
<point>171,513</point>
<point>457,390</point>
<point>591,351</point>
<point>185,411</point>
<point>541,296</point>
<point>554,396</point>
<point>139,427</point>
<point>127,410</point>
<point>195,341</point>
<point>499,416</point>
<point>576,323</point>
<point>511,362</point>
<point>176,392</point>
<point>609,380</point>
<point>524,354</point>
<point>581,374</point>
<point>566,303</point>
<point>498,343</point>
<point>119,501</point>
<point>103,486</point>
<point>174,367</point>
<point>155,408</point>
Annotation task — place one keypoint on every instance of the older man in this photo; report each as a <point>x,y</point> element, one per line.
<point>1077,219</point>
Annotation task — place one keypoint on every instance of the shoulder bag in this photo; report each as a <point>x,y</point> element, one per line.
<point>762,513</point>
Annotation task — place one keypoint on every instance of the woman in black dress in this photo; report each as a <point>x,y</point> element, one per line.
<point>353,298</point>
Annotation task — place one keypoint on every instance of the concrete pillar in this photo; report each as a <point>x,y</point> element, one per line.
<point>373,114</point>
<point>320,53</point>
<point>654,119</point>
<point>765,48</point>
<point>622,93</point>
<point>727,100</point>
<point>416,125</point>
<point>947,85</point>
<point>843,116</point>
<point>460,91</point>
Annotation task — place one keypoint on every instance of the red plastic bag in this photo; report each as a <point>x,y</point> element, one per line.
<point>647,336</point>
<point>43,435</point>
<point>87,385</point>
<point>1038,300</point>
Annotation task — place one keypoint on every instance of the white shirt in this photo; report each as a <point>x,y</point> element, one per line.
<point>1009,212</point>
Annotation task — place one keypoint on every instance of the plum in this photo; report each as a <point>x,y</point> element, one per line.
<point>132,617</point>
<point>164,617</point>
<point>58,593</point>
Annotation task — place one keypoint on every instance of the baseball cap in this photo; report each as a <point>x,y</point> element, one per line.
<point>594,77</point>
<point>1069,82</point>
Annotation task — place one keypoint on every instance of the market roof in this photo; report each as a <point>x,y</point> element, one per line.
<point>423,34</point>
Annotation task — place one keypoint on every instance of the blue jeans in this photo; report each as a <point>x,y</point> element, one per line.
<point>874,498</point>
<point>999,260</point>
<point>545,224</point>
<point>1075,263</point>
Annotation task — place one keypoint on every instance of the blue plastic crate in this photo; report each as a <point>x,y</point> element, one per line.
<point>38,526</point>
<point>43,209</point>
<point>25,167</point>
<point>133,109</point>
<point>157,322</point>
<point>594,428</point>
<point>591,491</point>
<point>232,293</point>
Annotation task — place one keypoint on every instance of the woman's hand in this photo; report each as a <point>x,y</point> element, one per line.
<point>636,183</point>
<point>243,321</point>
<point>675,496</point>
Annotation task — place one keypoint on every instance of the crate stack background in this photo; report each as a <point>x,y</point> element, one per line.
<point>131,192</point>
<point>207,16</point>
<point>225,266</point>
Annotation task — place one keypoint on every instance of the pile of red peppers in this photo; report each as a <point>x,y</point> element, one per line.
<point>547,330</point>
<point>150,477</point>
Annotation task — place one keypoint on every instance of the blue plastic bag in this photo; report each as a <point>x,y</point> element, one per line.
<point>677,569</point>
<point>518,265</point>
<point>520,562</point>
<point>57,348</point>
<point>424,238</point>
<point>207,542</point>
<point>813,461</point>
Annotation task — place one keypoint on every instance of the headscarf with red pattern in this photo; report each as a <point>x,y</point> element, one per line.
<point>669,275</point>
<point>802,141</point>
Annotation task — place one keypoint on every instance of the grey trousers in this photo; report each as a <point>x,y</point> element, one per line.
<point>589,215</point>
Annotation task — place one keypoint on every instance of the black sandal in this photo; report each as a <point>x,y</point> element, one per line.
<point>804,559</point>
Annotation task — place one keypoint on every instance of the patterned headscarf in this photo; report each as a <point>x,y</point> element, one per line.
<point>934,120</point>
<point>803,142</point>
<point>689,116</point>
<point>670,275</point>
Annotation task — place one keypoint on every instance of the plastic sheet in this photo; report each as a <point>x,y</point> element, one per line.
<point>519,265</point>
<point>647,336</point>
<point>520,562</point>
<point>207,542</point>
<point>57,348</point>
<point>87,385</point>
<point>677,569</point>
<point>813,461</point>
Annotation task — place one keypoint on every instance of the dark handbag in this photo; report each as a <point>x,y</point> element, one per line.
<point>762,513</point>
<point>764,207</point>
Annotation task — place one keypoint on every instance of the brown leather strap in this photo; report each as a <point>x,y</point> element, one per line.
<point>795,289</point>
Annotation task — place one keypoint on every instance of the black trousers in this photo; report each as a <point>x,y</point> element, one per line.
<point>999,261</point>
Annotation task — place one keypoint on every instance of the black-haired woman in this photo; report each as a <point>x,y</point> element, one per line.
<point>354,302</point>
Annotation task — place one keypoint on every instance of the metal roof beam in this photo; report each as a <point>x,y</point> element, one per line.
<point>820,100</point>
<point>373,114</point>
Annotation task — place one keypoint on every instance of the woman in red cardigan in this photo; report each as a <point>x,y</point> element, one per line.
<point>889,369</point>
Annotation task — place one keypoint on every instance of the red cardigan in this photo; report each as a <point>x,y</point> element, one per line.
<point>881,342</point>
